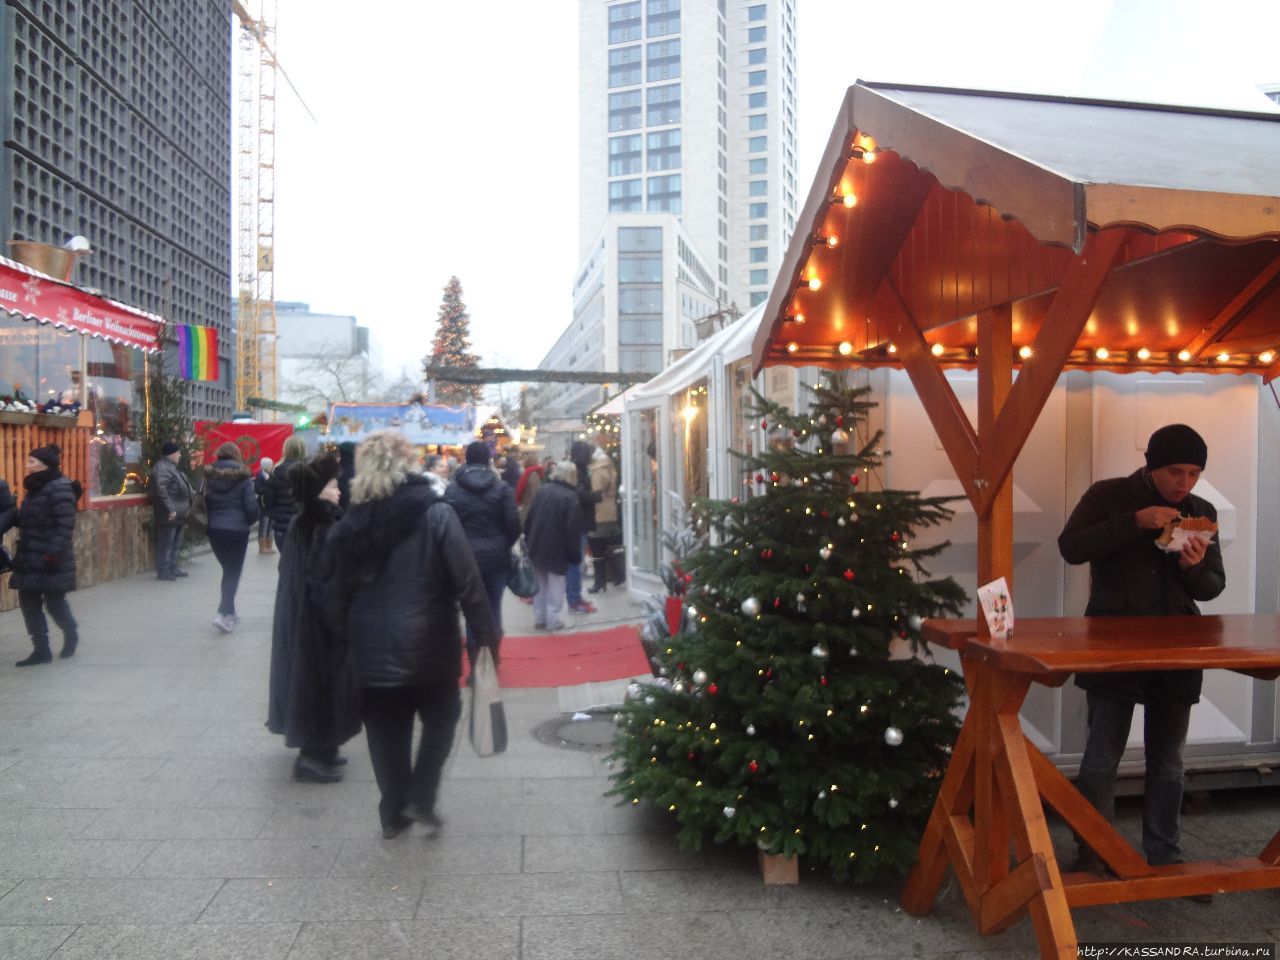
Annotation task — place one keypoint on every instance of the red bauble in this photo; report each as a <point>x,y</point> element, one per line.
<point>691,755</point>
<point>759,478</point>
<point>839,421</point>
<point>777,602</point>
<point>853,478</point>
<point>753,766</point>
<point>712,689</point>
<point>896,537</point>
<point>849,574</point>
<point>766,554</point>
<point>823,680</point>
<point>764,424</point>
<point>825,514</point>
<point>807,569</point>
<point>773,477</point>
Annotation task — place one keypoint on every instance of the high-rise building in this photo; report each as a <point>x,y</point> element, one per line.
<point>688,117</point>
<point>116,126</point>
<point>324,358</point>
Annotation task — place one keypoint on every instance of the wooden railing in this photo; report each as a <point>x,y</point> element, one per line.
<point>18,440</point>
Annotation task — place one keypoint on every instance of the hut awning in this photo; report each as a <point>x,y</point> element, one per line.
<point>975,200</point>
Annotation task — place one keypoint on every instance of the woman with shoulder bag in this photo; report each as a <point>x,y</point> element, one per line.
<point>233,509</point>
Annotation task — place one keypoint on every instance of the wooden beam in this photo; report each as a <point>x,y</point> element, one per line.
<point>995,378</point>
<point>1058,334</point>
<point>1230,316</point>
<point>958,437</point>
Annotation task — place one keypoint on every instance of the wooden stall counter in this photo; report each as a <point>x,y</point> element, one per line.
<point>993,793</point>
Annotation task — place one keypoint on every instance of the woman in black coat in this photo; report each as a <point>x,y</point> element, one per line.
<point>312,697</point>
<point>486,507</point>
<point>554,530</point>
<point>397,567</point>
<point>44,566</point>
<point>233,510</point>
<point>277,495</point>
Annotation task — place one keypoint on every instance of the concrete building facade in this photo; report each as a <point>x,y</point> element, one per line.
<point>324,357</point>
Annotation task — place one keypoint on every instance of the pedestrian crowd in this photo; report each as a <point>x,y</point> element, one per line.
<point>378,554</point>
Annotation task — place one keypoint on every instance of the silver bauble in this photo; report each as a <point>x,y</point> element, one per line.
<point>893,736</point>
<point>699,677</point>
<point>825,553</point>
<point>857,612</point>
<point>751,730</point>
<point>819,651</point>
<point>633,690</point>
<point>915,621</point>
<point>893,803</point>
<point>751,606</point>
<point>729,812</point>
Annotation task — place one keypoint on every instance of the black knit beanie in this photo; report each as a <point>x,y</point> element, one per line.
<point>1176,443</point>
<point>50,456</point>
<point>477,452</point>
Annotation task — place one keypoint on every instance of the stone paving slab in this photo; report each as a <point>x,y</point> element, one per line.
<point>45,857</point>
<point>560,854</point>
<point>240,858</point>
<point>522,895</point>
<point>422,857</point>
<point>191,823</point>
<point>31,943</point>
<point>294,899</point>
<point>455,939</point>
<point>116,900</point>
<point>222,941</point>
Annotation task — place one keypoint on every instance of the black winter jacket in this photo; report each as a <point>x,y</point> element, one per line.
<point>554,528</point>
<point>277,496</point>
<point>228,488</point>
<point>170,493</point>
<point>486,507</point>
<point>45,559</point>
<point>1130,576</point>
<point>8,508</point>
<point>396,571</point>
<point>580,453</point>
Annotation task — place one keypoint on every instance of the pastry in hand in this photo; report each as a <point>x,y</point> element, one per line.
<point>1202,526</point>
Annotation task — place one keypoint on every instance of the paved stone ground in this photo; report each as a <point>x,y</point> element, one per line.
<point>146,813</point>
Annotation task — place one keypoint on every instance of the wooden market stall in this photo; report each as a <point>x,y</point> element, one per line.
<point>1021,237</point>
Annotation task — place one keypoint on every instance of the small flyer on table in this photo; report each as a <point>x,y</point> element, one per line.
<point>997,607</point>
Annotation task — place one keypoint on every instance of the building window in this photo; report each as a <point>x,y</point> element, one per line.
<point>664,105</point>
<point>757,210</point>
<point>756,35</point>
<point>758,297</point>
<point>759,231</point>
<point>756,12</point>
<point>756,101</point>
<point>757,55</point>
<point>639,269</point>
<point>758,121</point>
<point>624,111</point>
<point>758,165</point>
<point>624,66</point>
<point>757,78</point>
<point>758,277</point>
<point>640,299</point>
<point>664,17</point>
<point>624,155</point>
<point>759,255</point>
<point>664,193</point>
<point>758,188</point>
<point>640,239</point>
<point>664,150</point>
<point>664,60</point>
<point>757,144</point>
<point>624,196</point>
<point>624,22</point>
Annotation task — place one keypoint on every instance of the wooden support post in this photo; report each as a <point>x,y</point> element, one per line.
<point>995,379</point>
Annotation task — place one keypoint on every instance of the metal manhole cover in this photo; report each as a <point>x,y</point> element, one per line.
<point>594,734</point>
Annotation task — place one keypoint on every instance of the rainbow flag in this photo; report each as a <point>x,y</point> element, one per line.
<point>197,352</point>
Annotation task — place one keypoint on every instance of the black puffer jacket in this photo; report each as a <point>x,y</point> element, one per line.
<point>487,509</point>
<point>45,559</point>
<point>8,507</point>
<point>553,527</point>
<point>1129,576</point>
<point>277,496</point>
<point>396,570</point>
<point>580,453</point>
<point>228,487</point>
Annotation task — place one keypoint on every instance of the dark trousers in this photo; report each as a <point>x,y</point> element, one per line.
<point>495,585</point>
<point>388,714</point>
<point>229,547</point>
<point>33,604</point>
<point>1164,735</point>
<point>168,539</point>
<point>573,578</point>
<point>279,536</point>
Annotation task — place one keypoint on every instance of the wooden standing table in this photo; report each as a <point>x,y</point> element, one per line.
<point>993,793</point>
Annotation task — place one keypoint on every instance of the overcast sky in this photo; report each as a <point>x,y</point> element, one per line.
<point>447,134</point>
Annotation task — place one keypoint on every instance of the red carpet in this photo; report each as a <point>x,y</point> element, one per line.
<point>565,659</point>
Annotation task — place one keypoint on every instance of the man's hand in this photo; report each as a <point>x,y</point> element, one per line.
<point>1154,518</point>
<point>1193,552</point>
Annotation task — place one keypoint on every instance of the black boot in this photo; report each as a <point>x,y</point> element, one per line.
<point>40,653</point>
<point>69,644</point>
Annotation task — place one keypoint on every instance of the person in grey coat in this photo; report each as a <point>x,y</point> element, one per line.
<point>233,510</point>
<point>171,496</point>
<point>44,565</point>
<point>1113,529</point>
<point>553,528</point>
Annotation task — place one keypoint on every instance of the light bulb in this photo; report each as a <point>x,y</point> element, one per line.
<point>792,347</point>
<point>833,241</point>
<point>799,318</point>
<point>893,348</point>
<point>815,283</point>
<point>1144,354</point>
<point>1266,356</point>
<point>849,200</point>
<point>1024,353</point>
<point>869,156</point>
<point>936,349</point>
<point>1184,355</point>
<point>845,348</point>
<point>1102,353</point>
<point>1224,357</point>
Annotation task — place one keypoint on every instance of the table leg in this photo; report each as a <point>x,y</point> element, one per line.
<point>954,798</point>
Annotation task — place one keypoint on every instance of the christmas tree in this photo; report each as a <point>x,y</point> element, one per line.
<point>450,350</point>
<point>798,710</point>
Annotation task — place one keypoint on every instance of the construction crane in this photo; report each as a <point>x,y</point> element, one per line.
<point>256,197</point>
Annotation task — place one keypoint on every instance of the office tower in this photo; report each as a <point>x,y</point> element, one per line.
<point>117,127</point>
<point>687,129</point>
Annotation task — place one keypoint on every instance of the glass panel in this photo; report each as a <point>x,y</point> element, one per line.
<point>644,534</point>
<point>59,365</point>
<point>18,349</point>
<point>689,420</point>
<point>741,420</point>
<point>639,269</point>
<point>631,239</point>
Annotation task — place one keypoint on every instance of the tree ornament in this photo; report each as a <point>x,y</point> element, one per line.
<point>841,521</point>
<point>751,606</point>
<point>633,690</point>
<point>712,689</point>
<point>896,536</point>
<point>822,794</point>
<point>753,766</point>
<point>857,612</point>
<point>678,687</point>
<point>766,554</point>
<point>915,622</point>
<point>699,677</point>
<point>849,574</point>
<point>751,730</point>
<point>893,803</point>
<point>893,736</point>
<point>799,598</point>
<point>648,701</point>
<point>853,478</point>
<point>663,683</point>
<point>825,553</point>
<point>729,812</point>
<point>819,651</point>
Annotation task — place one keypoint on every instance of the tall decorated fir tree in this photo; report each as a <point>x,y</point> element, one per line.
<point>451,348</point>
<point>798,710</point>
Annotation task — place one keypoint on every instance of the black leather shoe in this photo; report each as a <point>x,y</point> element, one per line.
<point>36,658</point>
<point>165,576</point>
<point>394,829</point>
<point>427,818</point>
<point>308,771</point>
<point>69,648</point>
<point>180,574</point>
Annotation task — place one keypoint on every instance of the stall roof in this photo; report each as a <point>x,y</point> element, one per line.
<point>731,343</point>
<point>977,200</point>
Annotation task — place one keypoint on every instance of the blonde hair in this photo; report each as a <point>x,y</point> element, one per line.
<point>295,448</point>
<point>383,460</point>
<point>566,471</point>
